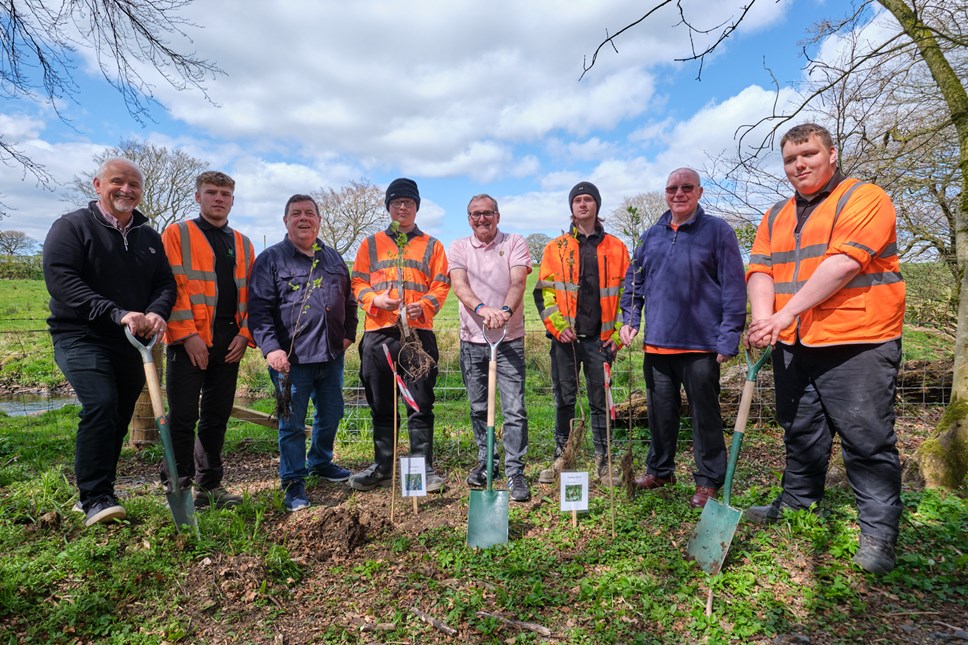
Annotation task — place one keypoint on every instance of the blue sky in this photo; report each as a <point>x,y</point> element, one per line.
<point>463,97</point>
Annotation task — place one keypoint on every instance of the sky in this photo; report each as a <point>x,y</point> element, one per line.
<point>463,97</point>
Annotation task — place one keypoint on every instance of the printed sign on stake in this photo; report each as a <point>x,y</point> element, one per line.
<point>574,491</point>
<point>413,476</point>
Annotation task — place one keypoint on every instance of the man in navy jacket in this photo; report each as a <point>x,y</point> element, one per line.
<point>303,317</point>
<point>688,273</point>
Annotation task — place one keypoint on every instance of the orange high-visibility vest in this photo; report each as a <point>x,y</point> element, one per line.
<point>193,264</point>
<point>424,278</point>
<point>558,283</point>
<point>857,220</point>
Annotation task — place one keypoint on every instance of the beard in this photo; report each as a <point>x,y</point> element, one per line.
<point>123,204</point>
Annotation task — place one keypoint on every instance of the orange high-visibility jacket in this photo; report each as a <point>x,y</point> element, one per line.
<point>424,278</point>
<point>558,283</point>
<point>193,264</point>
<point>857,220</point>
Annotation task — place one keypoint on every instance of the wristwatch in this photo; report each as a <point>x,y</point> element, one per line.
<point>508,310</point>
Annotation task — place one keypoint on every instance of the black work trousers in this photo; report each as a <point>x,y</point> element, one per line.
<point>204,397</point>
<point>379,386</point>
<point>566,359</point>
<point>665,376</point>
<point>107,377</point>
<point>847,389</point>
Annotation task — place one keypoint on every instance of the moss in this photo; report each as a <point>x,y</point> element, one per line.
<point>942,460</point>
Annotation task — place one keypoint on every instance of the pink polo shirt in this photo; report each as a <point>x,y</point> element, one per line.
<point>488,269</point>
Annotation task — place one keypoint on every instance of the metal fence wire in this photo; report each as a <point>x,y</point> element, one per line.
<point>26,358</point>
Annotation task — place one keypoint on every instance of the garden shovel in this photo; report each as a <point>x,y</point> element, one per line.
<point>487,513</point>
<point>179,499</point>
<point>717,524</point>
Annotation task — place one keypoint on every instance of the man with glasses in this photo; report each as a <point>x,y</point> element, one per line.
<point>488,271</point>
<point>425,286</point>
<point>577,294</point>
<point>688,274</point>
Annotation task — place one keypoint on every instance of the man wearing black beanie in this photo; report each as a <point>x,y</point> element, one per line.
<point>375,283</point>
<point>578,291</point>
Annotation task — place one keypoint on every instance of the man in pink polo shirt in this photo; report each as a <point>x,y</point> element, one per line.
<point>488,271</point>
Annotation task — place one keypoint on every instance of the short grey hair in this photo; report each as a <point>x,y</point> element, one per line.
<point>482,196</point>
<point>103,168</point>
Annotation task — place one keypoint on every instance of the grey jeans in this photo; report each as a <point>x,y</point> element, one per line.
<point>474,359</point>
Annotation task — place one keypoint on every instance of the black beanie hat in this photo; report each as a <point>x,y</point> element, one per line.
<point>402,188</point>
<point>586,188</point>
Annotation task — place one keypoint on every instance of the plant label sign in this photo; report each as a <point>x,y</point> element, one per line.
<point>574,491</point>
<point>413,477</point>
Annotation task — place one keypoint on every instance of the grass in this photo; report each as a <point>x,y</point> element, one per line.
<point>126,583</point>
<point>129,583</point>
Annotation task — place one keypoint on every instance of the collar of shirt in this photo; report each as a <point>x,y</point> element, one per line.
<point>291,248</point>
<point>824,192</point>
<point>478,244</point>
<point>206,225</point>
<point>412,234</point>
<point>692,218</point>
<point>113,221</point>
<point>595,237</point>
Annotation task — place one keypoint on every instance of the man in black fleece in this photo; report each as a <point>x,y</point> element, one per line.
<point>105,268</point>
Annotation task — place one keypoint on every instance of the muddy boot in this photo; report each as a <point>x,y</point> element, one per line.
<point>548,475</point>
<point>602,471</point>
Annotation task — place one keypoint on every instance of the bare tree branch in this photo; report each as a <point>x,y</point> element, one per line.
<point>40,41</point>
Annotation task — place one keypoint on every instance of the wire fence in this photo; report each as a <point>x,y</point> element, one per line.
<point>32,384</point>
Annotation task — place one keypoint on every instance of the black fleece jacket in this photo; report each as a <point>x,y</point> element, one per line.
<point>95,275</point>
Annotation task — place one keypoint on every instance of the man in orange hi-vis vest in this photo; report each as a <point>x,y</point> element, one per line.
<point>825,288</point>
<point>377,285</point>
<point>207,335</point>
<point>578,291</point>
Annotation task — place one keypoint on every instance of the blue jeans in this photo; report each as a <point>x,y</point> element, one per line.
<point>474,360</point>
<point>323,383</point>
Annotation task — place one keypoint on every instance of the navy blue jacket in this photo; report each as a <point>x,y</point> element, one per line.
<point>692,284</point>
<point>95,275</point>
<point>277,294</point>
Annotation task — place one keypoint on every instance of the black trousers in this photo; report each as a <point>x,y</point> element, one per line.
<point>847,389</point>
<point>698,374</point>
<point>378,384</point>
<point>566,358</point>
<point>204,397</point>
<point>107,378</point>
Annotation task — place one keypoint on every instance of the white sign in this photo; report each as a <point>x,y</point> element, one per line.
<point>574,491</point>
<point>413,477</point>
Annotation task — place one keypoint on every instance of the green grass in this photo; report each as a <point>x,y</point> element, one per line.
<point>60,582</point>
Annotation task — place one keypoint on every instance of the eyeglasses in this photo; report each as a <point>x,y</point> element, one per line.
<point>686,188</point>
<point>481,214</point>
<point>397,204</point>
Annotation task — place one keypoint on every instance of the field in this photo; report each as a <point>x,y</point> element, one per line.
<point>342,572</point>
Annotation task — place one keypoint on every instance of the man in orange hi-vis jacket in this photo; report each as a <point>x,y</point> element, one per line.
<point>207,335</point>
<point>825,288</point>
<point>377,285</point>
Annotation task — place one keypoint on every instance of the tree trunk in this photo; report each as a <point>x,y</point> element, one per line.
<point>143,430</point>
<point>942,460</point>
